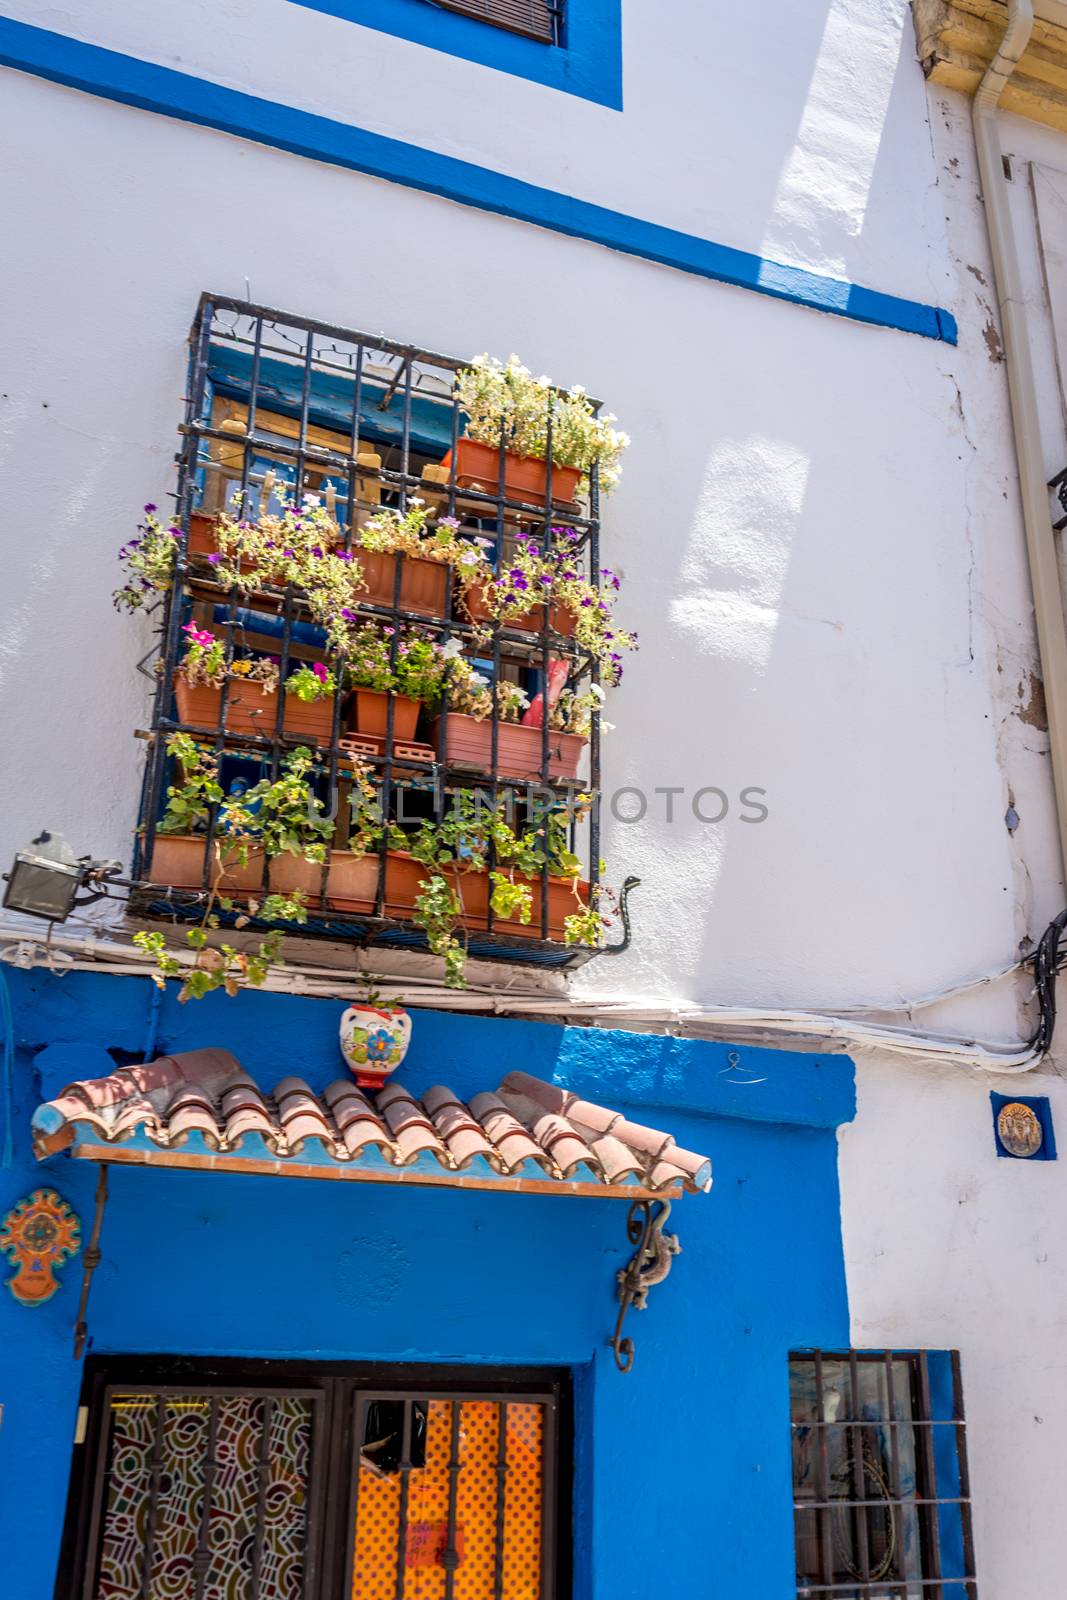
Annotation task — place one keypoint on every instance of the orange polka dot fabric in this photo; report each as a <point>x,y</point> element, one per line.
<point>485,1542</point>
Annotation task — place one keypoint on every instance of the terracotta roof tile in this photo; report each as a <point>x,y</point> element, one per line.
<point>529,1134</point>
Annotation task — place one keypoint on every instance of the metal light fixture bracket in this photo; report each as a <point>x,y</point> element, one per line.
<point>651,1262</point>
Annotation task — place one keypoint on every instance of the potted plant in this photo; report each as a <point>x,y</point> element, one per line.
<point>457,887</point>
<point>468,730</point>
<point>429,551</point>
<point>506,406</point>
<point>178,852</point>
<point>149,557</point>
<point>382,661</point>
<point>252,698</point>
<point>536,576</point>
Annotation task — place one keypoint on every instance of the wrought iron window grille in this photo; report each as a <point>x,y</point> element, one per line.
<point>881,1490</point>
<point>276,398</point>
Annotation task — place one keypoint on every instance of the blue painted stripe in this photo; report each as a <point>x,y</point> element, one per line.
<point>176,94</point>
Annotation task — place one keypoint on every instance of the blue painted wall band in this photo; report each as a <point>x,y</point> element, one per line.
<point>176,94</point>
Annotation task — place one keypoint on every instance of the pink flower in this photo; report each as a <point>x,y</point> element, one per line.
<point>319,670</point>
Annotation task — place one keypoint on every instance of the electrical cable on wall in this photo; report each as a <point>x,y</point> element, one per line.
<point>105,948</point>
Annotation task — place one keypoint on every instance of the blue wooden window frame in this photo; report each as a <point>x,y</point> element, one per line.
<point>587,63</point>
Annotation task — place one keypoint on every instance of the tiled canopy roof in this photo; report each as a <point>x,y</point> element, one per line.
<point>203,1110</point>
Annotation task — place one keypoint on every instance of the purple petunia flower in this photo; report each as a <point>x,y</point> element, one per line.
<point>319,669</point>
<point>316,550</point>
<point>349,616</point>
<point>215,560</point>
<point>149,509</point>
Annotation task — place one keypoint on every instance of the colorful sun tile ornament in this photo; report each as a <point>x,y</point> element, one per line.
<point>374,1041</point>
<point>38,1235</point>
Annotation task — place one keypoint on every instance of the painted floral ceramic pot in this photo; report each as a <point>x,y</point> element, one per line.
<point>374,1043</point>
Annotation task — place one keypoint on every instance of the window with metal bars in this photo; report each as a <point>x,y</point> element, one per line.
<point>880,1487</point>
<point>280,408</point>
<point>323,1486</point>
<point>534,19</point>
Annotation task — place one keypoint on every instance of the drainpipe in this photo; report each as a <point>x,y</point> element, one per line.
<point>1040,539</point>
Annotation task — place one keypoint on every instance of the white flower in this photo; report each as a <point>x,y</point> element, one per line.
<point>606,727</point>
<point>598,694</point>
<point>312,500</point>
<point>478,680</point>
<point>469,558</point>
<point>452,649</point>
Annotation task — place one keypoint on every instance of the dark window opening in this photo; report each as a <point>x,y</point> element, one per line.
<point>880,1487</point>
<point>270,1482</point>
<point>534,19</point>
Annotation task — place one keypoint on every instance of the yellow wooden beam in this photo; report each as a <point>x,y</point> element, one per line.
<point>957,40</point>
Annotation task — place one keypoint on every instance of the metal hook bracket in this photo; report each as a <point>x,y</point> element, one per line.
<point>651,1262</point>
<point>91,1261</point>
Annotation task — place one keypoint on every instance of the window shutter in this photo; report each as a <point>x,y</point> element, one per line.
<point>536,19</point>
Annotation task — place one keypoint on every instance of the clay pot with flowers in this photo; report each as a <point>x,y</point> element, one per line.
<point>425,552</point>
<point>511,417</point>
<point>520,740</point>
<point>403,663</point>
<point>252,692</point>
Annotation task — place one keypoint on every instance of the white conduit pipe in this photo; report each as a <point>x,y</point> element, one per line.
<point>70,953</point>
<point>1026,426</point>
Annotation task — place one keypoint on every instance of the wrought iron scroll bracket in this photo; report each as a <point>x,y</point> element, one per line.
<point>624,914</point>
<point>90,1262</point>
<point>649,1265</point>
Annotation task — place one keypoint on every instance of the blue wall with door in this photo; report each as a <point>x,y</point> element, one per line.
<point>691,1449</point>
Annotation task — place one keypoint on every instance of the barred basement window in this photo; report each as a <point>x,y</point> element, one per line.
<point>880,1485</point>
<point>536,19</point>
<point>330,1485</point>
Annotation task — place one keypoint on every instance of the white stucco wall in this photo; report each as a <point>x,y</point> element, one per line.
<point>817,526</point>
<point>816,555</point>
<point>949,1247</point>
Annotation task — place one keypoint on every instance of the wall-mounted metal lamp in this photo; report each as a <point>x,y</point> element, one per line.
<point>46,877</point>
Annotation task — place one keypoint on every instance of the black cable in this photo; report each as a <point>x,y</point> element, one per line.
<point>1048,962</point>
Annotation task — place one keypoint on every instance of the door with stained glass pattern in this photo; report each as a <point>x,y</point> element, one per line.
<point>331,1489</point>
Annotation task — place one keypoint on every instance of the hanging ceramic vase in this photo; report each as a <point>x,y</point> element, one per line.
<point>374,1043</point>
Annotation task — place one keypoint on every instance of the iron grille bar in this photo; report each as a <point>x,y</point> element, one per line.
<point>501,1496</point>
<point>202,1558</point>
<point>859,1521</point>
<point>826,1536</point>
<point>930,1474</point>
<point>402,1520</point>
<point>155,1475</point>
<point>450,1559</point>
<point>963,1467</point>
<point>266,1419</point>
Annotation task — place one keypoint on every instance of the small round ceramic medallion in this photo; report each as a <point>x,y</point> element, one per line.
<point>1019,1129</point>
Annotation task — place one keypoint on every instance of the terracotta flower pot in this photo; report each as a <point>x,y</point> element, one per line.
<point>353,882</point>
<point>422,583</point>
<point>178,860</point>
<point>469,743</point>
<point>202,539</point>
<point>560,618</point>
<point>370,708</point>
<point>525,477</point>
<point>473,889</point>
<point>249,710</point>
